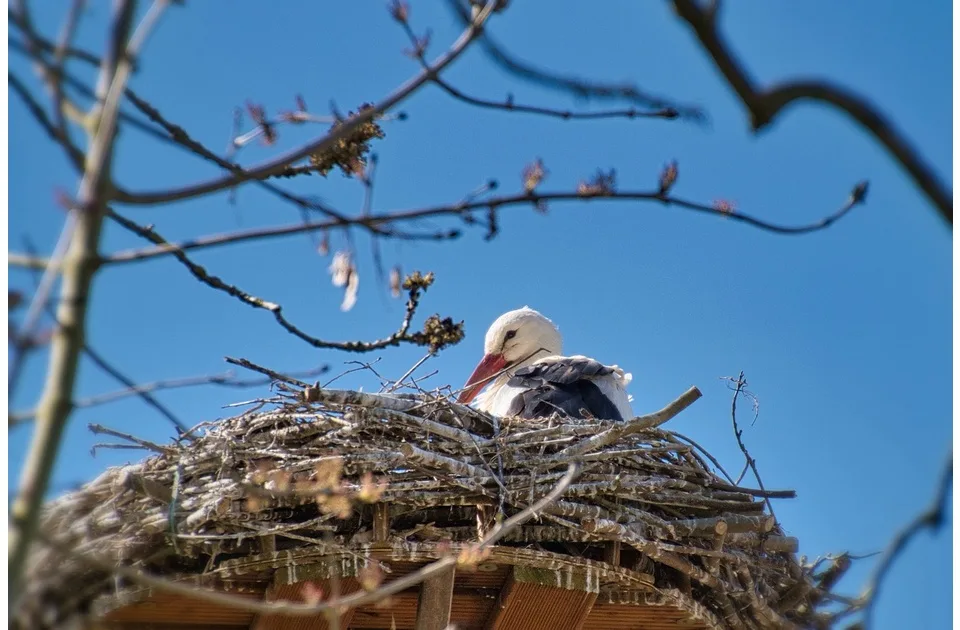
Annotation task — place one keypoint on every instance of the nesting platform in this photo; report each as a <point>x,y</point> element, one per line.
<point>322,494</point>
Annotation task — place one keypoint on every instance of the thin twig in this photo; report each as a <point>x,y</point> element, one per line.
<point>418,51</point>
<point>582,88</point>
<point>740,384</point>
<point>132,388</point>
<point>226,379</point>
<point>110,369</point>
<point>67,343</point>
<point>402,335</point>
<point>458,209</point>
<point>277,164</point>
<point>99,429</point>
<point>933,518</point>
<point>635,425</point>
<point>59,59</point>
<point>74,154</point>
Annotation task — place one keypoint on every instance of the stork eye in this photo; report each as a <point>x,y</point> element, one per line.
<point>511,334</point>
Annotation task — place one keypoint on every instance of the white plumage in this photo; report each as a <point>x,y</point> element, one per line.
<point>525,374</point>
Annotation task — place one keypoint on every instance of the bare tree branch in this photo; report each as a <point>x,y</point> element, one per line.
<point>402,335</point>
<point>933,518</point>
<point>36,110</point>
<point>133,388</point>
<point>59,59</point>
<point>225,379</point>
<point>279,163</point>
<point>81,264</point>
<point>739,385</point>
<point>46,46</point>
<point>765,105</point>
<point>104,365</point>
<point>584,88</point>
<point>857,197</point>
<point>418,51</point>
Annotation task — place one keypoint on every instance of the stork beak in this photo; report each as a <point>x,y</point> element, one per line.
<point>482,374</point>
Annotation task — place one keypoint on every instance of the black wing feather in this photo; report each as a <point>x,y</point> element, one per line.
<point>564,387</point>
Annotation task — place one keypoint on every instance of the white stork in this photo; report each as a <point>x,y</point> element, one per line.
<point>526,376</point>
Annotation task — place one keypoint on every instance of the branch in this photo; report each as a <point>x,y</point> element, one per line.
<point>932,518</point>
<point>179,137</point>
<point>171,134</point>
<point>74,154</point>
<point>752,463</point>
<point>667,113</point>
<point>460,209</point>
<point>225,379</point>
<point>636,425</point>
<point>278,164</point>
<point>336,604</point>
<point>81,264</point>
<point>59,60</point>
<point>48,47</point>
<point>582,88</point>
<point>104,365</point>
<point>765,105</point>
<point>418,50</point>
<point>132,386</point>
<point>436,332</point>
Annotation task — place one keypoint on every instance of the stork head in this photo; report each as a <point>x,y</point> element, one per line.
<point>515,339</point>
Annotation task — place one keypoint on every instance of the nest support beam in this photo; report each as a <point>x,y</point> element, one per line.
<point>435,601</point>
<point>544,599</point>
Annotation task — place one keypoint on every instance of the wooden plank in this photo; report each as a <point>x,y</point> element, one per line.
<point>435,601</point>
<point>544,599</point>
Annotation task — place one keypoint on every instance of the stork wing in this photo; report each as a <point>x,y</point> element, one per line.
<point>563,384</point>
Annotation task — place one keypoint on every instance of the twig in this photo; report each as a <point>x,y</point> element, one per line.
<point>582,88</point>
<point>399,382</point>
<point>179,136</point>
<point>59,59</point>
<point>932,518</point>
<point>458,209</point>
<point>74,154</point>
<point>172,134</point>
<point>110,369</point>
<point>99,429</point>
<point>340,603</point>
<point>509,105</point>
<point>740,384</point>
<point>277,164</point>
<point>636,425</point>
<point>765,105</point>
<point>226,379</point>
<point>54,408</point>
<point>274,376</point>
<point>713,460</point>
<point>132,388</point>
<point>402,335</point>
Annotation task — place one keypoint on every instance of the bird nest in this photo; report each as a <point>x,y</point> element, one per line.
<point>317,471</point>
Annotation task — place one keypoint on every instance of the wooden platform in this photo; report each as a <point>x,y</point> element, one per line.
<point>513,589</point>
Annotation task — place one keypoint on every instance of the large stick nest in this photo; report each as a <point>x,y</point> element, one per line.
<point>294,474</point>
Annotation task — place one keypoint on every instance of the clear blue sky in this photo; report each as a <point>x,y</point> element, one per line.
<point>845,335</point>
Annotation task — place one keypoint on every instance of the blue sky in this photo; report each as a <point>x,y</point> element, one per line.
<point>844,334</point>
